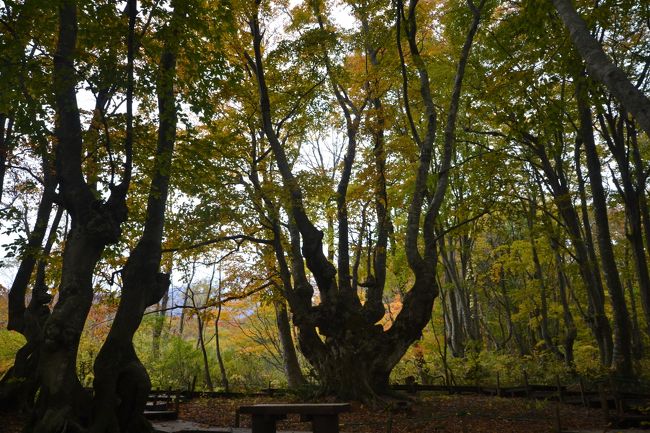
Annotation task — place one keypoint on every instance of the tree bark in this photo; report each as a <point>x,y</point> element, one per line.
<point>601,67</point>
<point>613,132</point>
<point>539,276</point>
<point>622,350</point>
<point>121,382</point>
<point>222,366</point>
<point>6,132</point>
<point>596,317</point>
<point>292,369</point>
<point>19,384</point>
<point>571,331</point>
<point>62,402</point>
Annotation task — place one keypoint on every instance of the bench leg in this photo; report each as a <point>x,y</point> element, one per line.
<point>325,424</point>
<point>263,424</point>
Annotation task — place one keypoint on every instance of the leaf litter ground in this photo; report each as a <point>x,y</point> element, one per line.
<point>434,413</point>
<point>425,414</point>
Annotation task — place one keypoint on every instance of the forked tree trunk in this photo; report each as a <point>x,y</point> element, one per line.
<point>121,382</point>
<point>19,384</point>
<point>62,403</point>
<point>355,358</point>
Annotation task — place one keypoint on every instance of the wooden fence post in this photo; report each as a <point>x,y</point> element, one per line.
<point>582,392</point>
<point>604,404</point>
<point>498,385</point>
<point>558,422</point>
<point>526,386</point>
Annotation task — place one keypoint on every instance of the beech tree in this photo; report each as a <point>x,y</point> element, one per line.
<point>356,356</point>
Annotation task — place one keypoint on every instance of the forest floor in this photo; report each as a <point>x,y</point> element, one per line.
<point>426,413</point>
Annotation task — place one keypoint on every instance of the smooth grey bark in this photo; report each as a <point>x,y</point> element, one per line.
<point>456,306</point>
<point>601,67</point>
<point>539,276</point>
<point>637,339</point>
<point>622,350</point>
<point>571,331</point>
<point>206,365</point>
<point>159,325</point>
<point>18,290</point>
<point>596,317</point>
<point>222,366</point>
<point>295,378</point>
<point>6,132</point>
<point>641,178</point>
<point>612,130</point>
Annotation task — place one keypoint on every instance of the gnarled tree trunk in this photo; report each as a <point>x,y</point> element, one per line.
<point>121,382</point>
<point>355,356</point>
<point>62,403</point>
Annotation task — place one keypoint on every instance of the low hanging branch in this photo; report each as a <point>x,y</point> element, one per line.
<point>223,301</point>
<point>218,240</point>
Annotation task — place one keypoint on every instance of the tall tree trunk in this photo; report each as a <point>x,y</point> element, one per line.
<point>596,317</point>
<point>19,384</point>
<point>6,132</point>
<point>121,382</point>
<point>622,354</point>
<point>159,324</point>
<point>292,369</point>
<point>637,339</point>
<point>641,178</point>
<point>62,403</point>
<point>539,276</point>
<point>222,366</point>
<point>571,331</point>
<point>356,356</point>
<point>455,303</point>
<point>613,131</point>
<point>601,67</point>
<point>204,352</point>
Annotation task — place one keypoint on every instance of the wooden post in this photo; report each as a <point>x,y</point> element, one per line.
<point>526,386</point>
<point>558,422</point>
<point>389,423</point>
<point>582,392</point>
<point>498,385</point>
<point>604,404</point>
<point>618,400</point>
<point>560,394</point>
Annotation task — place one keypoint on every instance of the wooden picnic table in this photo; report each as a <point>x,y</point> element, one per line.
<point>324,417</point>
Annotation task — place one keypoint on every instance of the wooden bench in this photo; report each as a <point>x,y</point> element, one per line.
<point>324,417</point>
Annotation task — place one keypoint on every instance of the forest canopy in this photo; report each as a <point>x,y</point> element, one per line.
<point>330,193</point>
